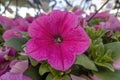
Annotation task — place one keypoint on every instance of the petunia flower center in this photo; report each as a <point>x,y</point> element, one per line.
<point>59,39</point>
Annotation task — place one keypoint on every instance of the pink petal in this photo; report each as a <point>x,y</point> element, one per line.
<point>103,15</point>
<point>38,49</point>
<point>77,41</point>
<point>60,58</point>
<point>6,23</point>
<point>76,77</point>
<point>21,24</point>
<point>61,21</point>
<point>18,66</point>
<point>14,76</point>
<point>40,28</point>
<point>94,77</point>
<point>10,33</point>
<point>116,64</point>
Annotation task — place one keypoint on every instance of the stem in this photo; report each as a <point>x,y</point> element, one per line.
<point>98,10</point>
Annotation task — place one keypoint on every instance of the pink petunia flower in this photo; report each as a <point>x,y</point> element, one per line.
<point>57,38</point>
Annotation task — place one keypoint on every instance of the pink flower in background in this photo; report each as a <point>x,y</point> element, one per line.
<point>73,77</point>
<point>94,77</point>
<point>30,19</point>
<point>14,27</point>
<point>4,64</point>
<point>14,76</point>
<point>11,33</point>
<point>111,23</point>
<point>18,66</point>
<point>56,37</point>
<point>102,15</point>
<point>116,64</point>
<point>7,23</point>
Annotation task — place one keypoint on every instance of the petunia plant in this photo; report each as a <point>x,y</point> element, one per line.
<point>60,45</point>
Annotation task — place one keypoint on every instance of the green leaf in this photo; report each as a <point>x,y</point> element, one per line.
<point>1,30</point>
<point>33,62</point>
<point>55,72</point>
<point>43,68</point>
<point>66,77</point>
<point>49,77</point>
<point>86,62</point>
<point>22,57</point>
<point>115,48</point>
<point>16,43</point>
<point>106,65</point>
<point>95,21</point>
<point>108,75</point>
<point>33,73</point>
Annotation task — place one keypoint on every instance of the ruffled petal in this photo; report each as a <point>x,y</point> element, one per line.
<point>38,49</point>
<point>18,66</point>
<point>77,41</point>
<point>10,33</point>
<point>61,58</point>
<point>14,76</point>
<point>39,28</point>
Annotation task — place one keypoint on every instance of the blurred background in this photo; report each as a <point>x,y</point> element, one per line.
<point>24,8</point>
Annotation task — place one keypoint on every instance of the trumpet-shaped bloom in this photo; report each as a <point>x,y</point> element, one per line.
<point>57,38</point>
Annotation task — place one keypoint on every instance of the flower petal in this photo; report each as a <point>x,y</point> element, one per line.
<point>13,76</point>
<point>65,21</point>
<point>37,49</point>
<point>77,41</point>
<point>61,58</point>
<point>10,33</point>
<point>19,66</point>
<point>40,29</point>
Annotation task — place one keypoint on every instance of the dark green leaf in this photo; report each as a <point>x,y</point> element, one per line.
<point>43,68</point>
<point>108,75</point>
<point>106,65</point>
<point>49,77</point>
<point>66,77</point>
<point>85,62</point>
<point>33,73</point>
<point>16,43</point>
<point>33,62</point>
<point>115,48</point>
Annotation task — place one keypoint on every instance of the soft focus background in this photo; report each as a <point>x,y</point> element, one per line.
<point>11,8</point>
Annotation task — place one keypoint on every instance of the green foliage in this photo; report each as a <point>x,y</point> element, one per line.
<point>108,75</point>
<point>100,56</point>
<point>95,21</point>
<point>16,43</point>
<point>94,34</point>
<point>116,36</point>
<point>115,48</point>
<point>44,67</point>
<point>33,72</point>
<point>33,62</point>
<point>84,61</point>
<point>1,33</point>
<point>52,73</point>
<point>49,77</point>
